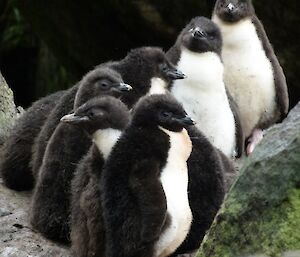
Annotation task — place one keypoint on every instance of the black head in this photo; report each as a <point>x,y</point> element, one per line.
<point>99,113</point>
<point>201,35</point>
<point>233,10</point>
<point>153,60</point>
<point>160,110</point>
<point>98,82</point>
<point>140,66</point>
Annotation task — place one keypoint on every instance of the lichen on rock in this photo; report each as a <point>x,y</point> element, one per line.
<point>261,214</point>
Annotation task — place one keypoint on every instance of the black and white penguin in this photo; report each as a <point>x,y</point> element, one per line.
<point>197,53</point>
<point>51,198</point>
<point>253,74</point>
<point>103,119</point>
<point>16,152</point>
<point>144,182</point>
<point>146,69</point>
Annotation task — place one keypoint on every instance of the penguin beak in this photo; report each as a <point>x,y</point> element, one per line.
<point>122,87</point>
<point>186,121</point>
<point>199,33</point>
<point>73,119</point>
<point>174,74</point>
<point>230,7</point>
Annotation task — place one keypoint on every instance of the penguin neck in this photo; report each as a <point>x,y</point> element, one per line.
<point>105,139</point>
<point>158,86</point>
<point>241,34</point>
<point>204,72</point>
<point>180,142</point>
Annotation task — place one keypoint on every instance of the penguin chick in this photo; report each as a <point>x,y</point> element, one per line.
<point>51,198</point>
<point>253,74</point>
<point>145,200</point>
<point>94,83</point>
<point>87,231</point>
<point>16,152</point>
<point>146,69</point>
<point>203,94</point>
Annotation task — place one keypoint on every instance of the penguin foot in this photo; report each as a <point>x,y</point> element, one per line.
<point>253,140</point>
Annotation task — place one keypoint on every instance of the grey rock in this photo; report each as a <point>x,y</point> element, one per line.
<point>17,239</point>
<point>8,111</point>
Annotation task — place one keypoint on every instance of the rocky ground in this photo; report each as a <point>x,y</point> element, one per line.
<point>17,239</point>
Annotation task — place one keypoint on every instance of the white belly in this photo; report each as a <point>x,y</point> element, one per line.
<point>248,73</point>
<point>174,179</point>
<point>204,98</point>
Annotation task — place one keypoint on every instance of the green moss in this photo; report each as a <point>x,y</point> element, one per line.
<point>272,231</point>
<point>290,230</point>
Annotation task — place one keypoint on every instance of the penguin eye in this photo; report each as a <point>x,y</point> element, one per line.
<point>91,114</point>
<point>211,35</point>
<point>222,4</point>
<point>103,84</point>
<point>165,114</point>
<point>163,67</point>
<point>96,113</point>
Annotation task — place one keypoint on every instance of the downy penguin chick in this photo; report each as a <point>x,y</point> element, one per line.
<point>203,94</point>
<point>144,182</point>
<point>146,69</point>
<point>103,119</point>
<point>90,86</point>
<point>253,74</point>
<point>16,152</point>
<point>51,198</point>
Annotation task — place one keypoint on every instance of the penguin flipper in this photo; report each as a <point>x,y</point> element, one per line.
<point>279,77</point>
<point>151,198</point>
<point>240,137</point>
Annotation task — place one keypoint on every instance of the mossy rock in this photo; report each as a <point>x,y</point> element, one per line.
<point>261,214</point>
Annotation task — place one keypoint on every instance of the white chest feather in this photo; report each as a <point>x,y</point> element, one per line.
<point>204,98</point>
<point>174,179</point>
<point>248,72</point>
<point>158,86</point>
<point>105,139</point>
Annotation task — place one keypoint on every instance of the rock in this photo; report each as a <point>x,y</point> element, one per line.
<point>8,111</point>
<point>17,239</point>
<point>261,214</point>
